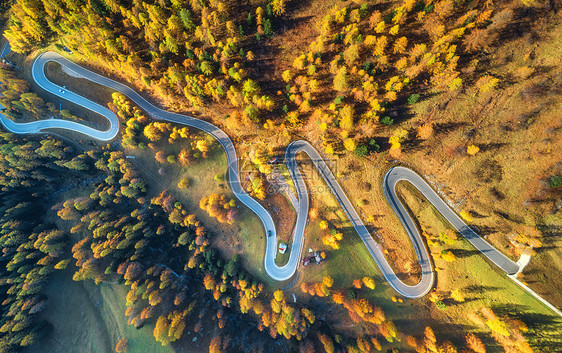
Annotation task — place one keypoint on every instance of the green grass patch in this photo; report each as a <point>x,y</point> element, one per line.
<point>282,259</point>
<point>89,318</point>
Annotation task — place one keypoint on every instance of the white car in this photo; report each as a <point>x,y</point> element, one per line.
<point>61,90</point>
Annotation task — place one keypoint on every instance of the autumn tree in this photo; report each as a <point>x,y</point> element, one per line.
<point>347,113</point>
<point>457,295</point>
<point>471,150</point>
<point>340,79</point>
<point>474,343</point>
<point>326,342</point>
<point>425,130</point>
<point>121,346</point>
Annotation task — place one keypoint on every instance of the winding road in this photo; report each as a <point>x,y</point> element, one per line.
<point>276,272</point>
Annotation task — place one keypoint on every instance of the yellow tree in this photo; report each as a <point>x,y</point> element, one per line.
<point>121,345</point>
<point>183,183</point>
<point>448,256</point>
<point>425,131</point>
<point>472,150</point>
<point>351,54</point>
<point>152,132</point>
<point>346,114</point>
<point>340,79</point>
<point>328,281</point>
<point>380,46</point>
<point>161,330</point>
<point>278,7</point>
<point>350,144</point>
<point>216,345</point>
<point>487,83</point>
<point>457,295</point>
<point>369,282</point>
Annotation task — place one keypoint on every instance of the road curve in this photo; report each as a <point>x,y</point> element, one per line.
<point>396,174</point>
<point>274,271</point>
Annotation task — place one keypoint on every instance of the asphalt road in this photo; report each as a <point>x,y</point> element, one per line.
<point>409,291</point>
<point>285,272</point>
<point>396,174</point>
<point>5,50</point>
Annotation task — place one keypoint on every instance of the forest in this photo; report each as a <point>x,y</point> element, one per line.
<point>359,85</point>
<point>126,238</point>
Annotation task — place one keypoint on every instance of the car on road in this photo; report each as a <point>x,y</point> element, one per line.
<point>61,90</point>
<point>274,160</point>
<point>269,233</point>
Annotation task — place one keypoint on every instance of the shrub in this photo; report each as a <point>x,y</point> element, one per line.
<point>413,98</point>
<point>267,28</point>
<point>555,181</point>
<point>387,121</point>
<point>361,151</point>
<point>440,305</point>
<point>373,146</point>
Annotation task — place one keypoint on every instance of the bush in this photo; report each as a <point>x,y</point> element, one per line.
<point>361,151</point>
<point>555,181</point>
<point>252,113</point>
<point>373,146</point>
<point>267,28</point>
<point>413,98</point>
<point>387,121</point>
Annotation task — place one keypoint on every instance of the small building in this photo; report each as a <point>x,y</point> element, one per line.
<point>282,248</point>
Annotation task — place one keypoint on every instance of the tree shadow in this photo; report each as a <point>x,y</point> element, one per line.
<point>480,289</point>
<point>491,146</point>
<point>484,230</point>
<point>448,127</point>
<point>534,321</point>
<point>509,217</point>
<point>461,253</point>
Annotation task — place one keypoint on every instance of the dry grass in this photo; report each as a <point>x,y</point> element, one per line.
<point>518,130</point>
<point>299,31</point>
